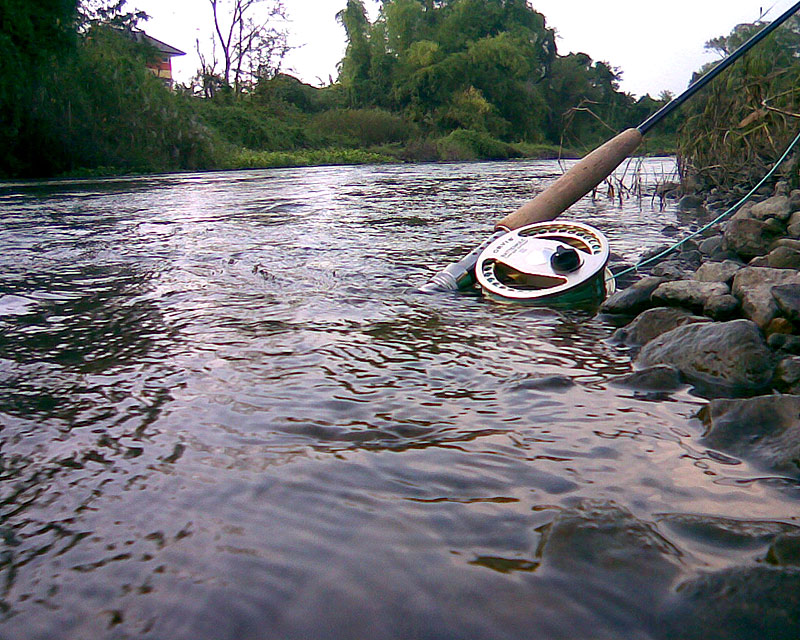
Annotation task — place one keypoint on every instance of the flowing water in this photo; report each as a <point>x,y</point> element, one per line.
<point>227,413</point>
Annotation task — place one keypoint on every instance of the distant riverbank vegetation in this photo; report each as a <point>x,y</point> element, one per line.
<point>427,80</point>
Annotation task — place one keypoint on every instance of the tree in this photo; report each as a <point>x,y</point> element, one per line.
<point>251,38</point>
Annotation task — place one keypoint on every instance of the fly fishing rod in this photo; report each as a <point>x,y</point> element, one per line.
<point>587,173</point>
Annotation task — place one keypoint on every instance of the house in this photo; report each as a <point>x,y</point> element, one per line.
<point>161,64</point>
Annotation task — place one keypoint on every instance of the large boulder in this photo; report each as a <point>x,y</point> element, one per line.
<point>764,430</point>
<point>724,356</point>
<point>652,323</point>
<point>753,287</point>
<point>749,237</point>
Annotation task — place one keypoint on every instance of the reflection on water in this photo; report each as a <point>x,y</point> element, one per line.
<point>226,412</point>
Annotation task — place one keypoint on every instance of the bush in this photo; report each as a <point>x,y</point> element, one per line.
<point>251,126</point>
<point>364,127</point>
<point>464,144</point>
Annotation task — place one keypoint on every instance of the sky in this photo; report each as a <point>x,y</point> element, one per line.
<point>657,45</point>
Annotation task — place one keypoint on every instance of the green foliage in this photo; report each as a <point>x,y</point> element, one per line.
<point>743,120</point>
<point>363,127</point>
<point>251,125</point>
<point>463,144</point>
<point>479,65</point>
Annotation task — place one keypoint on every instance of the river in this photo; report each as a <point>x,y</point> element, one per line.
<point>227,413</point>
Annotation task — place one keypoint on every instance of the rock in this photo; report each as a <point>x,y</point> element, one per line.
<point>690,203</point>
<point>749,238</point>
<point>671,270</point>
<point>721,307</point>
<point>785,551</point>
<point>728,533</point>
<point>774,207</point>
<point>764,430</point>
<point>691,294</point>
<point>634,299</point>
<point>778,325</point>
<point>730,356</point>
<point>787,374</point>
<point>795,217</point>
<point>544,383</point>
<point>784,258</point>
<point>744,212</point>
<point>717,271</point>
<point>787,297</point>
<point>753,287</point>
<point>652,323</point>
<point>740,603</point>
<point>782,188</point>
<point>784,343</point>
<point>794,230</point>
<point>759,261</point>
<point>601,536</point>
<point>791,243</point>
<point>712,245</point>
<point>794,199</point>
<point>659,378</point>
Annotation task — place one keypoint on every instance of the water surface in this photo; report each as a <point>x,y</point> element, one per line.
<point>227,413</point>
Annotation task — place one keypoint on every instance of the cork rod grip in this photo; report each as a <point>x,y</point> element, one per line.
<point>575,183</point>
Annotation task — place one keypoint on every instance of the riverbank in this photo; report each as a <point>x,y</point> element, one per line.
<point>723,315</point>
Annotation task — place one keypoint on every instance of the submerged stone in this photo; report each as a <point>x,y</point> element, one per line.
<point>741,603</point>
<point>764,430</point>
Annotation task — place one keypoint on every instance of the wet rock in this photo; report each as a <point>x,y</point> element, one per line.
<point>717,271</point>
<point>787,297</point>
<point>774,207</point>
<point>784,258</point>
<point>604,537</point>
<point>787,374</point>
<point>634,299</point>
<point>690,203</point>
<point>764,430</point>
<point>712,245</point>
<point>691,294</point>
<point>659,379</point>
<point>749,237</point>
<point>785,551</point>
<point>742,603</point>
<point>730,356</point>
<point>652,323</point>
<point>543,383</point>
<point>725,307</point>
<point>753,287</point>
<point>727,533</point>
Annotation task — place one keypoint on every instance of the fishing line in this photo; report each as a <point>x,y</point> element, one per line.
<point>718,219</point>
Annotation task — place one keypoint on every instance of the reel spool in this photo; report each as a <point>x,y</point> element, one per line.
<point>546,262</point>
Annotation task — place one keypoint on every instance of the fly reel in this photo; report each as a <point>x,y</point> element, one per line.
<point>546,262</point>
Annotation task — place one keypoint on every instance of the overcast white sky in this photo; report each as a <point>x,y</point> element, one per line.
<point>656,44</point>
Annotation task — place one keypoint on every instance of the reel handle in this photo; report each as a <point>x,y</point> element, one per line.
<point>575,183</point>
